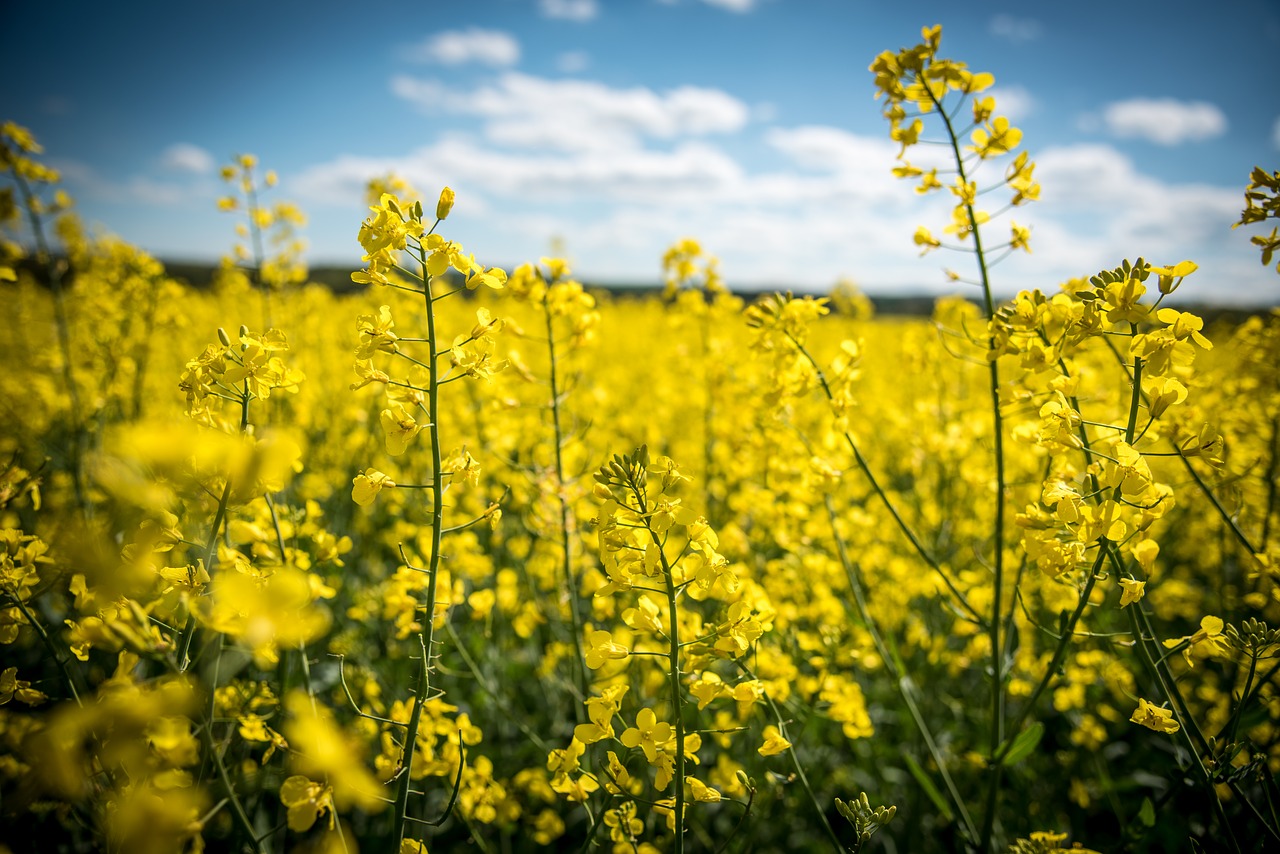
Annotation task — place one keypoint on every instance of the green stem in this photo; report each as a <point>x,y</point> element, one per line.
<point>1059,652</point>
<point>919,548</point>
<point>75,680</point>
<point>211,547</point>
<point>63,327</point>
<point>673,655</point>
<point>246,824</point>
<point>1248,683</point>
<point>571,578</point>
<point>795,763</point>
<point>993,365</point>
<point>425,638</point>
<point>901,680</point>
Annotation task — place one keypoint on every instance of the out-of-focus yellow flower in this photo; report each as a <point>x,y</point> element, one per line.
<point>1154,718</point>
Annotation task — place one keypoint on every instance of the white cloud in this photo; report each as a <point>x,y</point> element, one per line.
<point>829,207</point>
<point>739,6</point>
<point>834,150</point>
<point>600,175</point>
<point>569,10</point>
<point>521,110</point>
<point>1099,209</point>
<point>185,157</point>
<point>1013,102</point>
<point>1016,30</point>
<point>458,47</point>
<point>573,62</point>
<point>1164,121</point>
<point>85,182</point>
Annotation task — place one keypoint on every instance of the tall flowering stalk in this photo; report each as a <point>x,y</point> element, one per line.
<point>30,177</point>
<point>393,229</point>
<point>917,83</point>
<point>569,318</point>
<point>265,227</point>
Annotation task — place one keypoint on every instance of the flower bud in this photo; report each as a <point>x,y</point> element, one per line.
<point>223,337</point>
<point>445,204</point>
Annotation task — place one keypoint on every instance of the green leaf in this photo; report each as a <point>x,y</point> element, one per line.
<point>1024,744</point>
<point>1147,815</point>
<point>927,784</point>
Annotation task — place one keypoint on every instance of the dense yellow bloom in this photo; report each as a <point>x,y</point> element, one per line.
<point>366,486</point>
<point>996,137</point>
<point>648,734</point>
<point>306,801</point>
<point>602,648</point>
<point>774,742</point>
<point>1132,591</point>
<point>1153,717</point>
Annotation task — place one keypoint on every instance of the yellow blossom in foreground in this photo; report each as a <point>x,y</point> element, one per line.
<point>1133,591</point>
<point>774,743</point>
<point>1210,634</point>
<point>1153,717</point>
<point>366,486</point>
<point>306,801</point>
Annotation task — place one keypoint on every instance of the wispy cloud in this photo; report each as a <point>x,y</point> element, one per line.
<point>1016,30</point>
<point>1164,121</point>
<point>531,112</point>
<point>86,182</point>
<point>573,62</point>
<point>569,10</point>
<point>185,157</point>
<point>827,207</point>
<point>739,6</point>
<point>1013,102</point>
<point>473,45</point>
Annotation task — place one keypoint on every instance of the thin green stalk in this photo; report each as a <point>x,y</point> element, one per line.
<point>901,680</point>
<point>246,824</point>
<point>255,233</point>
<point>74,678</point>
<point>571,578</point>
<point>1160,670</point>
<point>1248,683</point>
<point>1195,476</point>
<point>425,638</point>
<point>1059,652</point>
<point>211,547</point>
<point>673,655</point>
<point>919,548</point>
<point>63,328</point>
<point>795,763</point>
<point>998,525</point>
<point>1247,696</point>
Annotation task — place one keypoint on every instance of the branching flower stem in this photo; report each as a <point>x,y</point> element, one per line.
<point>673,655</point>
<point>31,205</point>
<point>571,578</point>
<point>998,525</point>
<point>901,680</point>
<point>211,546</point>
<point>795,763</point>
<point>425,638</point>
<point>924,554</point>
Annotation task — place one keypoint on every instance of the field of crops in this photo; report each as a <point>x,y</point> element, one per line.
<point>485,560</point>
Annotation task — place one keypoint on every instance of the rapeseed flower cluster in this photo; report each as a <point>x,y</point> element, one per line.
<point>1010,568</point>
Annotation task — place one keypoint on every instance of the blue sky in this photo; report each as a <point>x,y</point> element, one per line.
<point>619,126</point>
